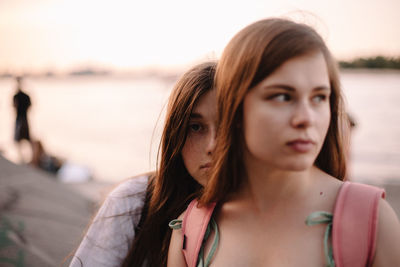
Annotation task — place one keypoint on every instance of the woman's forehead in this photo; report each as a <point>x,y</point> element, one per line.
<point>206,105</point>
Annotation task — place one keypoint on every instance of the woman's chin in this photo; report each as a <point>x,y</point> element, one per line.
<point>298,165</point>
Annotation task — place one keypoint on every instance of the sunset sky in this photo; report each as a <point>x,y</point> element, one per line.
<point>57,35</point>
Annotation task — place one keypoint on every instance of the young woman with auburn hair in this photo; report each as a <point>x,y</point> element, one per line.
<point>131,227</point>
<point>279,155</point>
<point>270,44</point>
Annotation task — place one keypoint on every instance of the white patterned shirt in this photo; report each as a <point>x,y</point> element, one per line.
<point>112,231</point>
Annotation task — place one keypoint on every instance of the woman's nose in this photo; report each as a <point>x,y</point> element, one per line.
<point>303,115</point>
<point>211,142</point>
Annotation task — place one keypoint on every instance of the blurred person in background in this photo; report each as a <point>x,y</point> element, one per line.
<point>21,103</point>
<point>43,160</point>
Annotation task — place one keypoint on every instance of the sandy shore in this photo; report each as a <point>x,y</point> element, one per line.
<point>41,220</point>
<point>44,220</point>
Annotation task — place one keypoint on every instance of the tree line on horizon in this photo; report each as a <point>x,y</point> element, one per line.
<point>378,62</point>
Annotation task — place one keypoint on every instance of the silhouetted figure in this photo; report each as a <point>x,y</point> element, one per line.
<point>21,102</point>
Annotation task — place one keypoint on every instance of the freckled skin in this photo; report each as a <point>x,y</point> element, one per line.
<point>200,140</point>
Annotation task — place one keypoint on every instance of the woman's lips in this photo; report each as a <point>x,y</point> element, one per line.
<point>301,146</point>
<point>207,165</point>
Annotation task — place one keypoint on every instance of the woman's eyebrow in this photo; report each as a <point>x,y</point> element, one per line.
<point>279,86</point>
<point>290,88</point>
<point>195,115</point>
<point>322,88</point>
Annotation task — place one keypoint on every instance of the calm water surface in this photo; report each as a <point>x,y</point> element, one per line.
<point>113,125</point>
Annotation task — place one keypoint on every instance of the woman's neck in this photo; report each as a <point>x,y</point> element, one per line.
<point>265,185</point>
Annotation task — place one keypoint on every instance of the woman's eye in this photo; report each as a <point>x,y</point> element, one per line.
<point>195,127</point>
<point>281,97</point>
<point>320,98</point>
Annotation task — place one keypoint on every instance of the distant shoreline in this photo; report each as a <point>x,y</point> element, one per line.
<point>377,62</point>
<point>369,70</point>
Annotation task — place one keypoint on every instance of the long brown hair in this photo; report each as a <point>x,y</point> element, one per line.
<point>172,188</point>
<point>253,54</point>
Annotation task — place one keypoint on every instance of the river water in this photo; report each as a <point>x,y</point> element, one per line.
<point>113,124</point>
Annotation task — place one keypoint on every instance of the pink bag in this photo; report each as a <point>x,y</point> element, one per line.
<point>355,221</point>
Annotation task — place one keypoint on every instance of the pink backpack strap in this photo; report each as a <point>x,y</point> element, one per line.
<point>355,221</point>
<point>194,226</point>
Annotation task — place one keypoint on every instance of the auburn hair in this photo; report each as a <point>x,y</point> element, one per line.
<point>171,188</point>
<point>252,55</point>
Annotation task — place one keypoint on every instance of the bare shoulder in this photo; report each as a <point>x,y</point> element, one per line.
<point>388,237</point>
<point>175,253</point>
<point>325,190</point>
<point>326,180</point>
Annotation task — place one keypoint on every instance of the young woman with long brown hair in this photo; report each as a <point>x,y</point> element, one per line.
<point>131,227</point>
<point>280,153</point>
